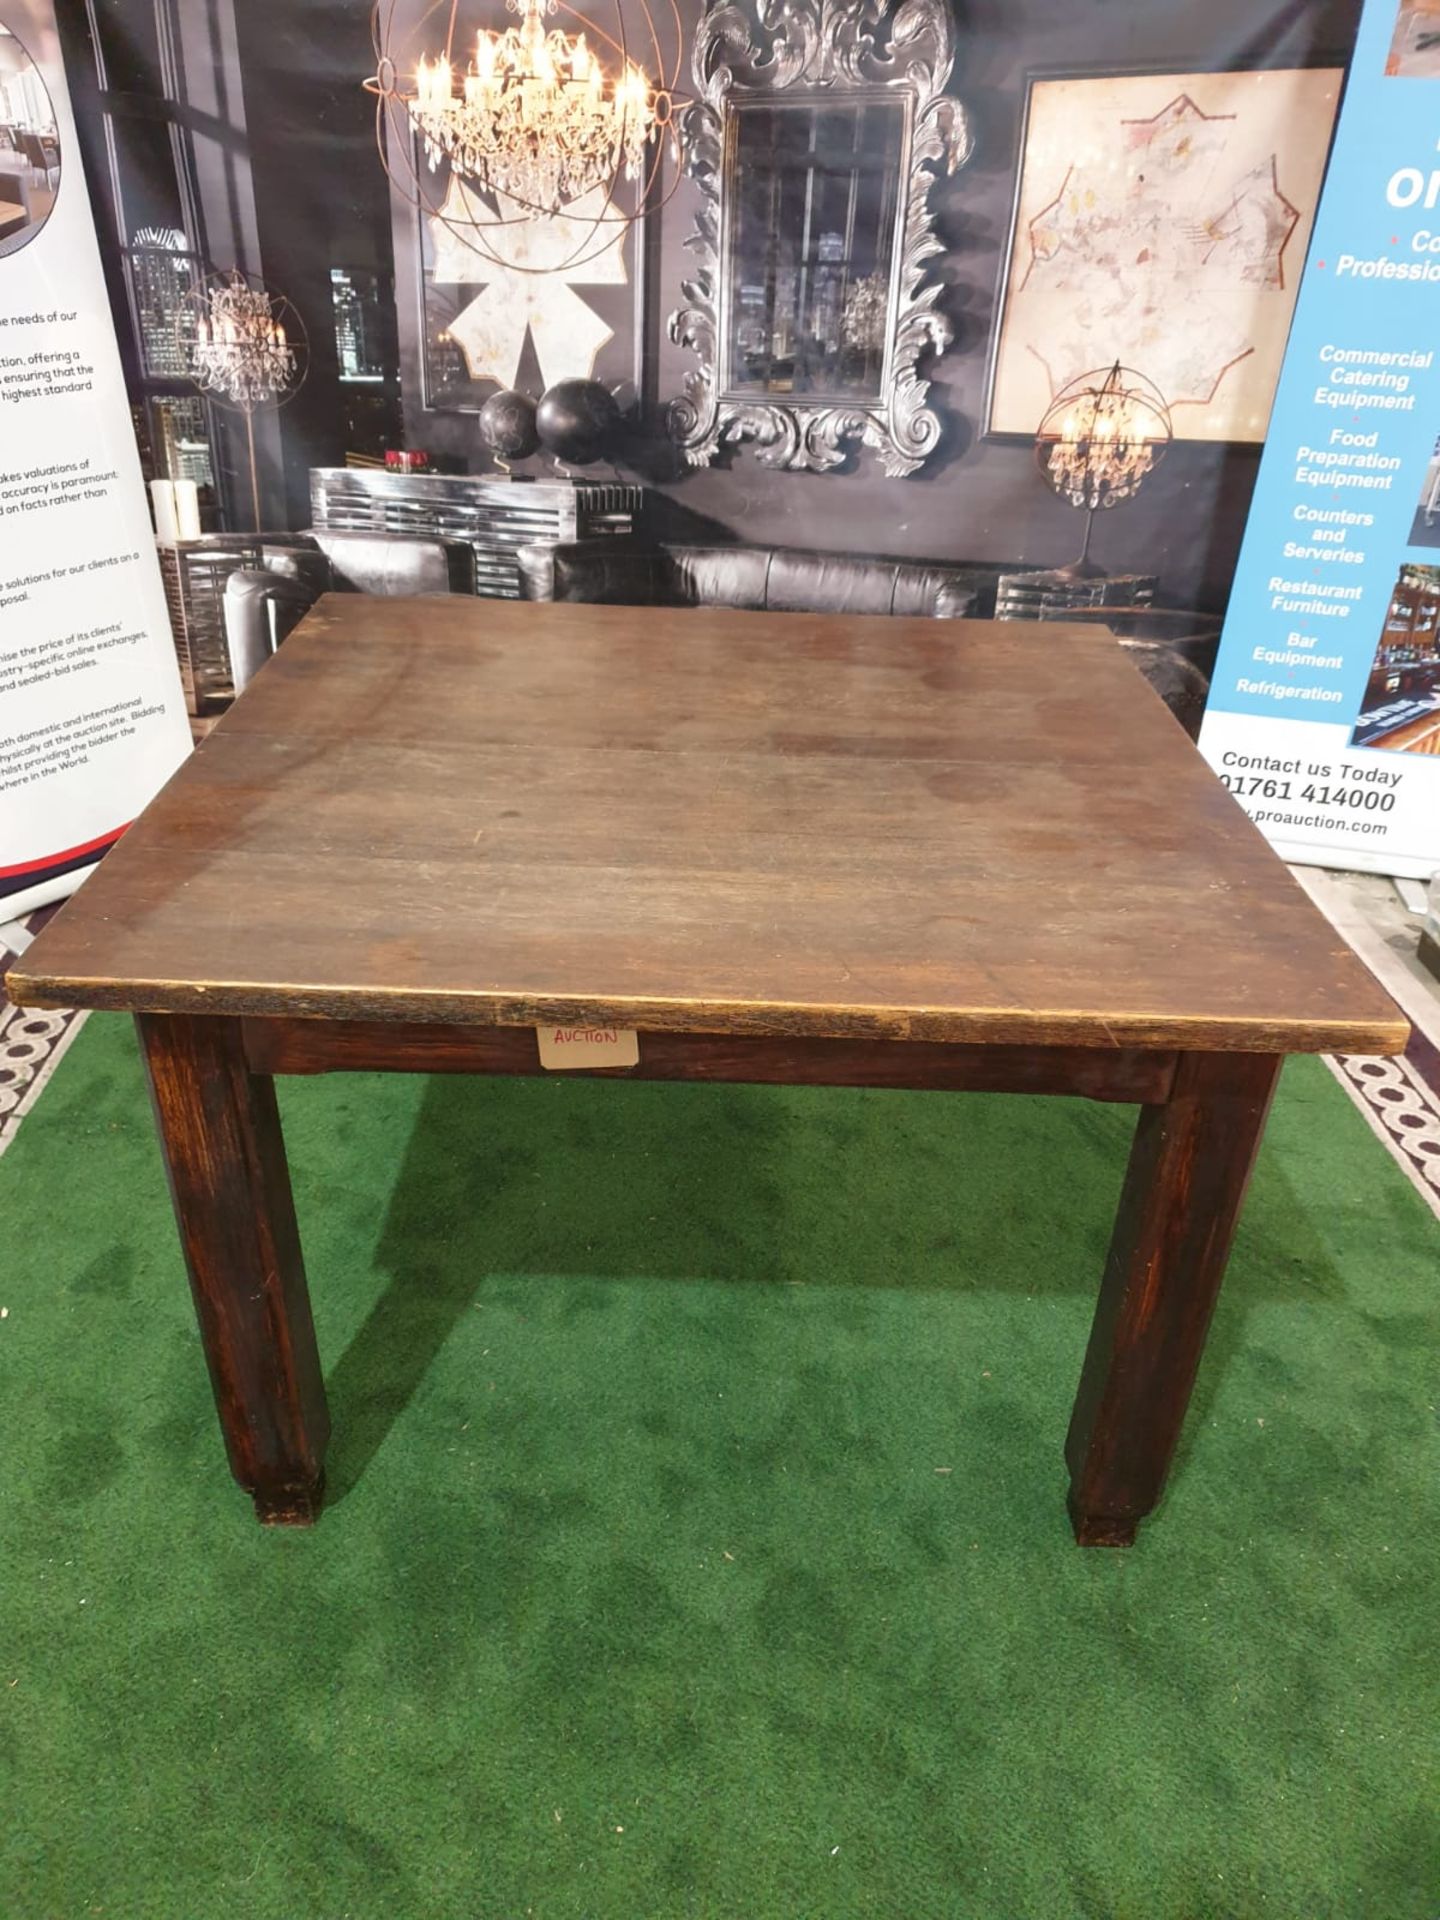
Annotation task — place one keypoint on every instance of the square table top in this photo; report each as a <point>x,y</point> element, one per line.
<point>498,813</point>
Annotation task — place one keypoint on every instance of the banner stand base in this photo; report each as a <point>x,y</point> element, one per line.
<point>1345,860</point>
<point>14,905</point>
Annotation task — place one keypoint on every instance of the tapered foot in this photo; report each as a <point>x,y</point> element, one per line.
<point>291,1506</point>
<point>1101,1530</point>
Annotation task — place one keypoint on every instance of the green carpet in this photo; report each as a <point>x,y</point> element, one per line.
<point>643,1593</point>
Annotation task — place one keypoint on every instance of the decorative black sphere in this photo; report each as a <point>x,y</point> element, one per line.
<point>507,425</point>
<point>577,420</point>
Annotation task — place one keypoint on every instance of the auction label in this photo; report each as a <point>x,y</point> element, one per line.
<point>572,1049</point>
<point>92,717</point>
<point>1324,715</point>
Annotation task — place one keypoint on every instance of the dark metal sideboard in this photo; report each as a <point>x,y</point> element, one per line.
<point>493,517</point>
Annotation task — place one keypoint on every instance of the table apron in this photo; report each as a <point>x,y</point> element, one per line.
<point>276,1045</point>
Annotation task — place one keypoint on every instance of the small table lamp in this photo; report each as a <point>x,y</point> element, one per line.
<point>1102,434</point>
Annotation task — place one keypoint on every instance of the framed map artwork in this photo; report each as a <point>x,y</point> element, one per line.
<point>1161,220</point>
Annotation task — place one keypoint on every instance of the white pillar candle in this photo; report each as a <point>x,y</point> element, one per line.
<point>162,500</point>
<point>187,509</point>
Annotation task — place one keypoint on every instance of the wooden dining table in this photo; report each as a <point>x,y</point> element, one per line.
<point>476,836</point>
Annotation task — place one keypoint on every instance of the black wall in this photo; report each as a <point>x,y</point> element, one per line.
<point>981,499</point>
<point>320,196</point>
<point>294,133</point>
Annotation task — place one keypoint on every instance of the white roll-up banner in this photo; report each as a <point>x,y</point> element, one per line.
<point>92,715</point>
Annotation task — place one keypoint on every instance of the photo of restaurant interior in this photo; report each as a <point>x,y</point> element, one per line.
<point>29,147</point>
<point>1401,711</point>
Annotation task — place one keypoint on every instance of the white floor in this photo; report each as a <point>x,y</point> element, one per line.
<point>1400,1099</point>
<point>1385,932</point>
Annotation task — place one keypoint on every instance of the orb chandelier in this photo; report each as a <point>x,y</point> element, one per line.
<point>533,118</point>
<point>1102,436</point>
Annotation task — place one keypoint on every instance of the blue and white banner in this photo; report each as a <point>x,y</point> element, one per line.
<point>92,715</point>
<point>1324,716</point>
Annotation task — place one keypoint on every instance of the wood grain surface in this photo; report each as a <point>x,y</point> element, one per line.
<point>1189,1168</point>
<point>494,813</point>
<point>225,1158</point>
<point>382,1046</point>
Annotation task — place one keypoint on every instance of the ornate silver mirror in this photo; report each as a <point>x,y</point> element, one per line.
<point>816,132</point>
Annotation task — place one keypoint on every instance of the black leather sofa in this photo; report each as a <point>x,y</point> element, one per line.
<point>780,579</point>
<point>790,579</point>
<point>1174,650</point>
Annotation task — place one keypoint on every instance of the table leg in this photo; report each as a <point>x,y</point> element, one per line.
<point>220,1131</point>
<point>1188,1171</point>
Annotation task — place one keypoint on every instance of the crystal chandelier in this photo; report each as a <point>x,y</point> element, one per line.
<point>1102,436</point>
<point>243,345</point>
<point>241,352</point>
<point>1098,442</point>
<point>534,115</point>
